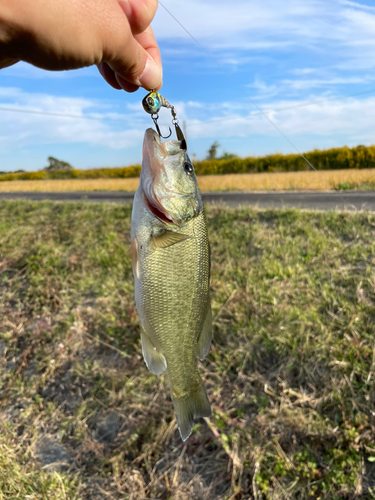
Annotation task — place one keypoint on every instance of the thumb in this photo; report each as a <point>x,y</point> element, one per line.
<point>138,61</point>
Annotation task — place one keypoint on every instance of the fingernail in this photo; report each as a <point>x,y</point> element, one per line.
<point>151,76</point>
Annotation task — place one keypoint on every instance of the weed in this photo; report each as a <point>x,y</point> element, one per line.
<point>290,373</point>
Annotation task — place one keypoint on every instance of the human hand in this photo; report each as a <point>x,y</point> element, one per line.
<point>59,35</point>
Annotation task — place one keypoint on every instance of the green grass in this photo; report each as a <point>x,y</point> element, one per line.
<point>290,374</point>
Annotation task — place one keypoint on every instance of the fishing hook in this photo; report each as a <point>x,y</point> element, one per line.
<point>152,103</point>
<point>155,120</point>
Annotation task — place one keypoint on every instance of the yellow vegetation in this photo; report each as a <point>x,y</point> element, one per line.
<point>322,180</point>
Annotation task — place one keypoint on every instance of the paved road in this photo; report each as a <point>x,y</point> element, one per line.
<point>355,200</point>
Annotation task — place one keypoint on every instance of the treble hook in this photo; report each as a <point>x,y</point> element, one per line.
<point>155,120</point>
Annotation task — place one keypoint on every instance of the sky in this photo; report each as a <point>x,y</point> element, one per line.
<point>308,65</point>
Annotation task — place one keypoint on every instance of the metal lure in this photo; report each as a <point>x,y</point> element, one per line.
<point>152,103</point>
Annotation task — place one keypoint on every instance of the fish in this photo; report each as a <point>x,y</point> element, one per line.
<point>171,266</point>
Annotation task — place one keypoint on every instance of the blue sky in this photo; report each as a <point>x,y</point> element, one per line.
<point>309,64</point>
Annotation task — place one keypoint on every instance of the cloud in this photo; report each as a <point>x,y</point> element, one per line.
<point>25,70</point>
<point>352,118</point>
<point>19,129</point>
<point>357,5</point>
<point>333,30</point>
<point>327,122</point>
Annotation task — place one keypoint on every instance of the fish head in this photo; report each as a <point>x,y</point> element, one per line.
<point>168,182</point>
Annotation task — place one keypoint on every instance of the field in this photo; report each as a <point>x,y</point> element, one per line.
<point>322,180</point>
<point>290,375</point>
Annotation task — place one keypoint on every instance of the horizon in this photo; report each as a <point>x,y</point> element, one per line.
<point>310,66</point>
<point>206,159</point>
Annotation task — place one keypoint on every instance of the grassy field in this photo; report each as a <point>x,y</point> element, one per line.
<point>290,374</point>
<point>322,180</point>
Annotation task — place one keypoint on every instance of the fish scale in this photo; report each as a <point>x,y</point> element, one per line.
<point>171,266</point>
<point>177,288</point>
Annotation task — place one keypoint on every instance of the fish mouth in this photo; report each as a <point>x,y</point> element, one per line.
<point>153,154</point>
<point>156,210</point>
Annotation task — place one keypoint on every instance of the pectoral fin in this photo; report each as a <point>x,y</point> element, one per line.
<point>167,239</point>
<point>154,359</point>
<point>204,341</point>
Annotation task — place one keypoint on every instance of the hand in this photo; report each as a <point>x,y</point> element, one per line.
<point>68,34</point>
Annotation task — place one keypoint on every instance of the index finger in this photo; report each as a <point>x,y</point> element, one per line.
<point>147,44</point>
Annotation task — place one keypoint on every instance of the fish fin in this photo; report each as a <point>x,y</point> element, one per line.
<point>204,341</point>
<point>134,253</point>
<point>187,409</point>
<point>154,359</point>
<point>167,239</point>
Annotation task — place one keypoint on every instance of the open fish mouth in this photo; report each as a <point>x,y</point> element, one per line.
<point>153,149</point>
<point>156,211</point>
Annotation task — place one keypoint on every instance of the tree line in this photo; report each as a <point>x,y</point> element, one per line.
<point>359,157</point>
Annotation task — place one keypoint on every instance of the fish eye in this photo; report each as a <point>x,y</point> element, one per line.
<point>188,167</point>
<point>150,101</point>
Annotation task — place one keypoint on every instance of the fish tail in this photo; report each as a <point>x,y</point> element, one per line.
<point>195,405</point>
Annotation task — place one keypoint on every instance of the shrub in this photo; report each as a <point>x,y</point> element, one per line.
<point>359,157</point>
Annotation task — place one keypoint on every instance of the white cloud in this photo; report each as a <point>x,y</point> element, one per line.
<point>357,5</point>
<point>352,118</point>
<point>25,70</point>
<point>333,28</point>
<point>318,83</point>
<point>19,129</point>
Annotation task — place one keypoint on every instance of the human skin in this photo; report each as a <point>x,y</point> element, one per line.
<point>68,34</point>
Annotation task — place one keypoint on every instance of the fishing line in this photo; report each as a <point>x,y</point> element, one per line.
<point>239,88</point>
<point>63,115</point>
<point>212,120</point>
<point>222,68</point>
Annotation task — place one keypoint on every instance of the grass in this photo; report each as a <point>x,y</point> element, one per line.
<point>322,180</point>
<point>290,374</point>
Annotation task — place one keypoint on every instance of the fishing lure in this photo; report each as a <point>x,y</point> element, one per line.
<point>152,103</point>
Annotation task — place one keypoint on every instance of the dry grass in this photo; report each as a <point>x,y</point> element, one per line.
<point>276,181</point>
<point>290,375</point>
<point>322,180</point>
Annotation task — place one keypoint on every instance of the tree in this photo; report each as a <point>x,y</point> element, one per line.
<point>227,156</point>
<point>55,164</point>
<point>212,152</point>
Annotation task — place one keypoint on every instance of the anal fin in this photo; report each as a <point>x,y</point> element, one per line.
<point>154,359</point>
<point>204,341</point>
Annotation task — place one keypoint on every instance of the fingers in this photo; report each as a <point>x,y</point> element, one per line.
<point>134,60</point>
<point>128,87</point>
<point>137,63</point>
<point>109,75</point>
<point>148,42</point>
<point>5,62</point>
<point>139,13</point>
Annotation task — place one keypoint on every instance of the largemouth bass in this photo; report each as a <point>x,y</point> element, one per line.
<point>171,266</point>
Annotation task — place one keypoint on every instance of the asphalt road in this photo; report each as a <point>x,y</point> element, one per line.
<point>355,200</point>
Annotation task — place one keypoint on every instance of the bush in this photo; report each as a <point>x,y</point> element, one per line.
<point>359,157</point>
<point>55,165</point>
